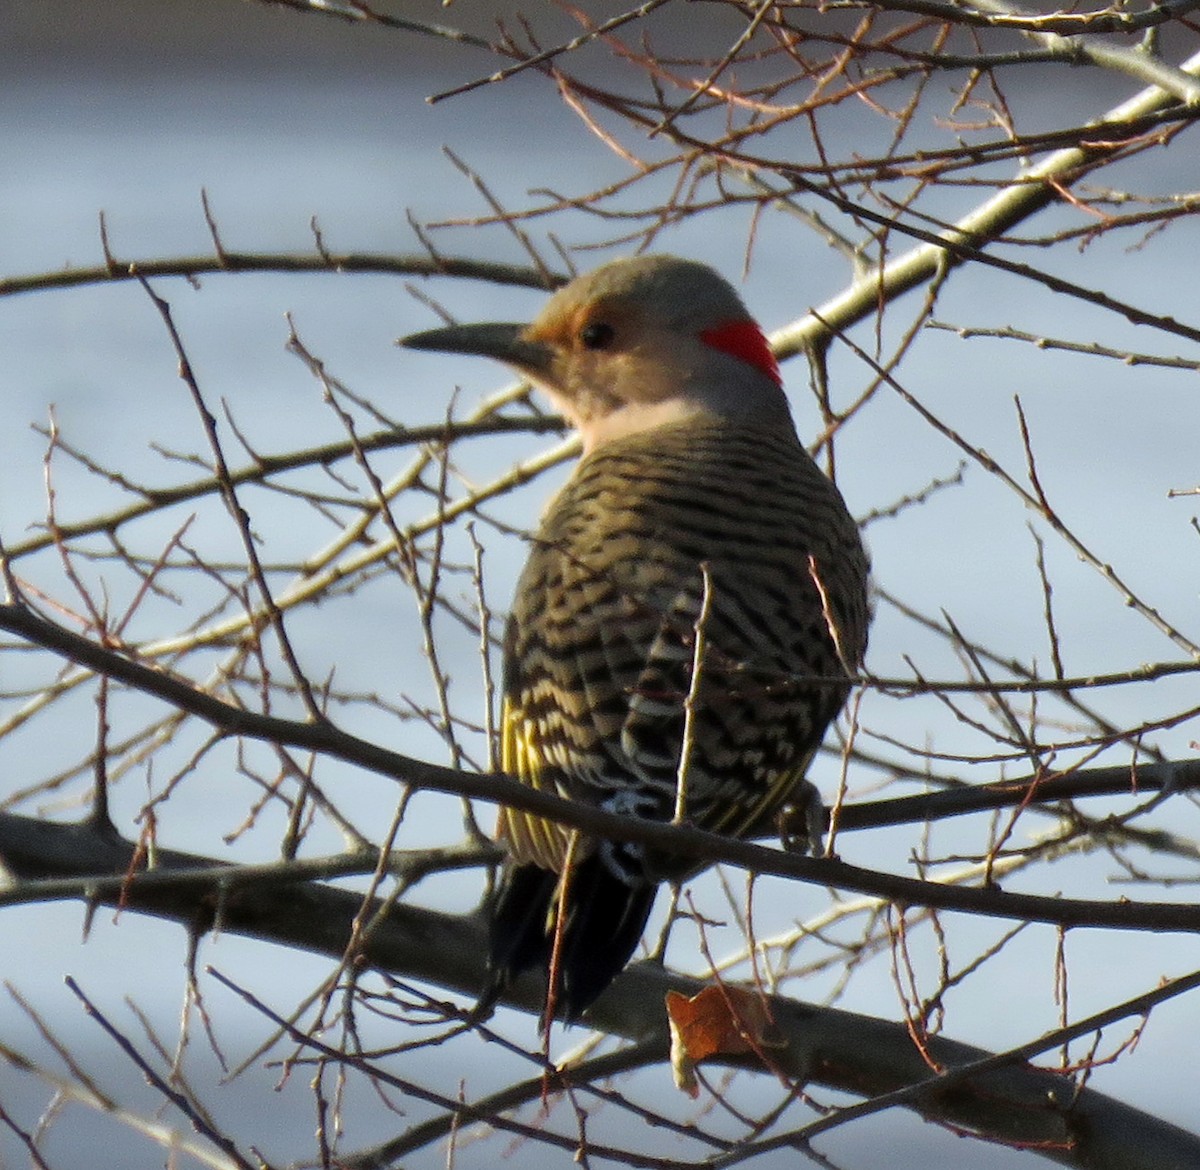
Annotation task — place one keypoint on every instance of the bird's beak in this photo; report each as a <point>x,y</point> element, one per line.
<point>505,342</point>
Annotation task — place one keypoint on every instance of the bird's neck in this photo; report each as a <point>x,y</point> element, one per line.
<point>633,418</point>
<point>675,415</point>
<point>721,403</point>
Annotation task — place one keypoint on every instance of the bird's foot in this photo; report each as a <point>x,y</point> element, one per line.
<point>802,821</point>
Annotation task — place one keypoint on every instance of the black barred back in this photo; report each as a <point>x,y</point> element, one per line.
<point>599,659</point>
<point>602,633</point>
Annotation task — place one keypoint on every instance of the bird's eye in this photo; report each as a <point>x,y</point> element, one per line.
<point>596,335</point>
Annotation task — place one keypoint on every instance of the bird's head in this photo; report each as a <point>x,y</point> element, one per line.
<point>635,344</point>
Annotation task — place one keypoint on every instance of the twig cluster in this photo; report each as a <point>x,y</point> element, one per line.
<point>310,632</point>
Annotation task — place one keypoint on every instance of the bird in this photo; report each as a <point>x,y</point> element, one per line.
<point>695,516</point>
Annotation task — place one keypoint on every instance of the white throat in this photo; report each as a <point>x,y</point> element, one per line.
<point>635,417</point>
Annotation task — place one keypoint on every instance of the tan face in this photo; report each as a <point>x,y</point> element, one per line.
<point>609,354</point>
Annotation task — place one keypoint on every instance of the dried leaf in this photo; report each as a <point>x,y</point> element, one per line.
<point>717,1021</point>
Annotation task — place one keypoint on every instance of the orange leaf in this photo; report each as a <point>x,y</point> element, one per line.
<point>717,1021</point>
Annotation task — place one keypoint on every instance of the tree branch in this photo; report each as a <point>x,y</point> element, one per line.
<point>842,1050</point>
<point>328,740</point>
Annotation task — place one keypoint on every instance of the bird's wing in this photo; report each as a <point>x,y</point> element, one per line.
<point>612,729</point>
<point>570,676</point>
<point>529,837</point>
<point>750,740</point>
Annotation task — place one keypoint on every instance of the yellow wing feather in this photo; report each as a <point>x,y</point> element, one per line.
<point>530,838</point>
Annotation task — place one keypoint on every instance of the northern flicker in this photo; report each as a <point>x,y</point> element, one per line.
<point>694,512</point>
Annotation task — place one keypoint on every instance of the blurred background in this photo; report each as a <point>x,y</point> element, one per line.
<point>133,109</point>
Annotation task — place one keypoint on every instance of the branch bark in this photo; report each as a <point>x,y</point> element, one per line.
<point>841,1050</point>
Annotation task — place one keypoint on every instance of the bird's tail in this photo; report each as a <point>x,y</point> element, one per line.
<point>606,914</point>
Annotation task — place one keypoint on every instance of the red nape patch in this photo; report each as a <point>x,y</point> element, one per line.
<point>745,340</point>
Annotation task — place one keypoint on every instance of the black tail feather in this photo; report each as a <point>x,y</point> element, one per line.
<point>606,915</point>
